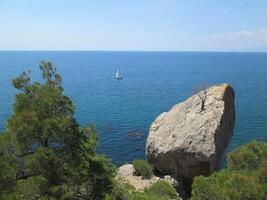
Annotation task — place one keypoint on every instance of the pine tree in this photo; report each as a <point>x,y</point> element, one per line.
<point>44,152</point>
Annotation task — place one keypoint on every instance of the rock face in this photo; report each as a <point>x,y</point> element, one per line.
<point>185,142</point>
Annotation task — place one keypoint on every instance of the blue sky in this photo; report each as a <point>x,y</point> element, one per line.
<point>158,25</point>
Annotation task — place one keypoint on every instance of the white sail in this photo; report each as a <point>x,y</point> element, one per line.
<point>118,76</point>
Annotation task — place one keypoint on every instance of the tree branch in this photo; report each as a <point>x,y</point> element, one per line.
<point>25,176</point>
<point>27,153</point>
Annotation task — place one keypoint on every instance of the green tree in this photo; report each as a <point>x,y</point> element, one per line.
<point>44,152</point>
<point>245,178</point>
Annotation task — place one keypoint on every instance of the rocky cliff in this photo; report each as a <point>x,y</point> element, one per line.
<point>187,141</point>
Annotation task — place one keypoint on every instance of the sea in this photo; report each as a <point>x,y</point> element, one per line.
<point>153,82</point>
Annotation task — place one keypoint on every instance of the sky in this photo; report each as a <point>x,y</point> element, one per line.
<point>133,25</point>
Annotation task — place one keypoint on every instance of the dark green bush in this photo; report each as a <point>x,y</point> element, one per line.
<point>244,179</point>
<point>161,190</point>
<point>250,156</point>
<point>121,191</point>
<point>227,185</point>
<point>142,168</point>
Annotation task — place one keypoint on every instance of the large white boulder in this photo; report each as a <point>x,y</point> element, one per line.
<point>186,142</point>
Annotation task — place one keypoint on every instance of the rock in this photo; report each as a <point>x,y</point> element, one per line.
<point>126,170</point>
<point>186,142</point>
<point>135,134</point>
<point>171,180</point>
<point>167,177</point>
<point>125,173</point>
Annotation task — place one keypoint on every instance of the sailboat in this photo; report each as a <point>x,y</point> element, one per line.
<point>118,76</point>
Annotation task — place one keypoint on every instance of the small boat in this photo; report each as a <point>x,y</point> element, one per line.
<point>118,76</point>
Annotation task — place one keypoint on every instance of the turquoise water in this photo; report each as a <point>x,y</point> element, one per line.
<point>153,82</point>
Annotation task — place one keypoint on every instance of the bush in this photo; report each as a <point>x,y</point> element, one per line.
<point>250,156</point>
<point>226,185</point>
<point>244,179</point>
<point>161,190</point>
<point>142,168</point>
<point>121,191</point>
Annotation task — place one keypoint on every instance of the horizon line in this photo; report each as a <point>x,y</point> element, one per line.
<point>174,51</point>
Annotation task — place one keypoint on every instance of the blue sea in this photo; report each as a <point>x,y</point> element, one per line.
<point>152,83</point>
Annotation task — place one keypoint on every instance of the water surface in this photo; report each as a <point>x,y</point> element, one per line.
<point>153,82</point>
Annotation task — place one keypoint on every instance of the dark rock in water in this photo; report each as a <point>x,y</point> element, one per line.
<point>185,142</point>
<point>109,128</point>
<point>135,134</point>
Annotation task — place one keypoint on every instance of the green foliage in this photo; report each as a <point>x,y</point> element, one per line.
<point>226,185</point>
<point>44,153</point>
<point>244,179</point>
<point>121,191</point>
<point>142,168</point>
<point>161,190</point>
<point>251,156</point>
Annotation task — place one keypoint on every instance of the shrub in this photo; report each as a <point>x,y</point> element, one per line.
<point>121,191</point>
<point>161,190</point>
<point>244,179</point>
<point>250,156</point>
<point>142,168</point>
<point>226,185</point>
